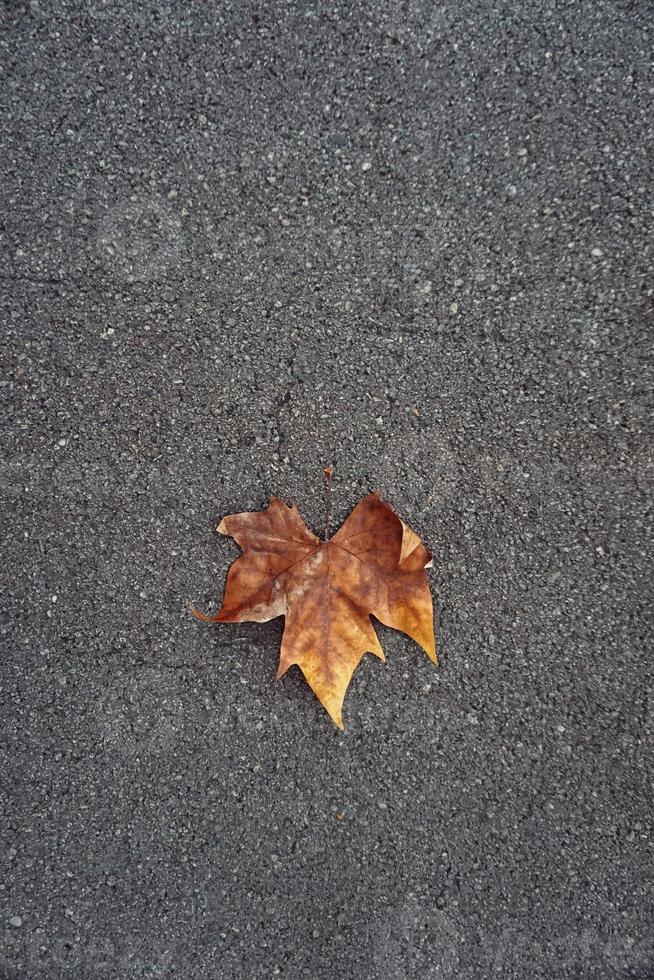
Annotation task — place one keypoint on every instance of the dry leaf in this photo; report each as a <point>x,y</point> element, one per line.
<point>327,590</point>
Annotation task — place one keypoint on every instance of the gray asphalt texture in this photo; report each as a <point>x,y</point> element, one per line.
<point>242,241</point>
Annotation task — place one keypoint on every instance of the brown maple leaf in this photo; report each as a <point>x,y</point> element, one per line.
<point>326,590</point>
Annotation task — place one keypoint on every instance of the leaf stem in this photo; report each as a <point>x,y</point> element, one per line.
<point>329,489</point>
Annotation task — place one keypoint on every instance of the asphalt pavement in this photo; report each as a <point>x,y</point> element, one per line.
<point>242,241</point>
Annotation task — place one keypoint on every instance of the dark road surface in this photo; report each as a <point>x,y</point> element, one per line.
<point>241,241</point>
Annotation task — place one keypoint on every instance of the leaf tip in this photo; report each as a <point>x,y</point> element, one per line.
<point>197,614</point>
<point>334,708</point>
<point>335,714</point>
